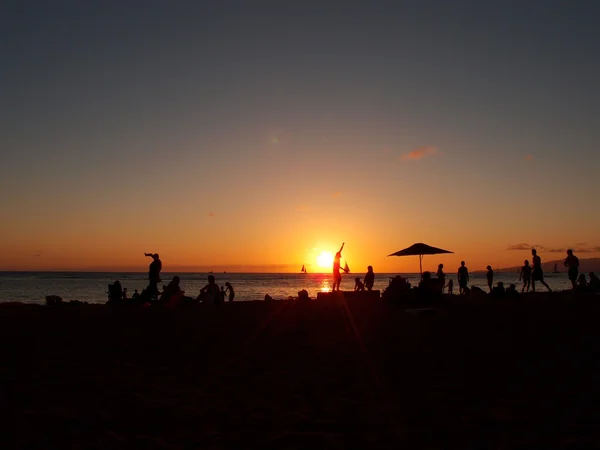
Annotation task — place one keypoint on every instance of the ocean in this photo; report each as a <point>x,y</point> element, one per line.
<point>33,287</point>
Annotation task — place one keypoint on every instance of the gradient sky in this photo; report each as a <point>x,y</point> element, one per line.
<point>252,136</point>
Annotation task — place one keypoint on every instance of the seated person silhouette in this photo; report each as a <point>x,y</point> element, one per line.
<point>172,292</point>
<point>115,292</point>
<point>428,286</point>
<point>358,285</point>
<point>499,290</point>
<point>582,285</point>
<point>594,283</point>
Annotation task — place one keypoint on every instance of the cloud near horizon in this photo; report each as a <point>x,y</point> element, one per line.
<point>528,157</point>
<point>420,152</point>
<point>336,195</point>
<point>582,248</point>
<point>211,214</point>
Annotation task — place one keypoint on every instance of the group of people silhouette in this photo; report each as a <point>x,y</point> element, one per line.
<point>171,295</point>
<point>529,274</point>
<point>212,293</point>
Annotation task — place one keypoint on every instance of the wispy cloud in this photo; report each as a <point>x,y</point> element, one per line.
<point>420,152</point>
<point>336,195</point>
<point>522,246</point>
<point>210,214</point>
<point>528,157</point>
<point>578,248</point>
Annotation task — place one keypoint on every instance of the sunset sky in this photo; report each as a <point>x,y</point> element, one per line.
<point>253,136</point>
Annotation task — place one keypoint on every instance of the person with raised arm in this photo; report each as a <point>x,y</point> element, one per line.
<point>337,276</point>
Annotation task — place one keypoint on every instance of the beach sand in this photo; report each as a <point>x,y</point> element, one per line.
<point>318,374</point>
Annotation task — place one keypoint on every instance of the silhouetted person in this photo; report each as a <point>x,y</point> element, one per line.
<point>572,262</point>
<point>526,276</point>
<point>358,285</point>
<point>489,276</point>
<point>594,284</point>
<point>441,276</point>
<point>115,292</point>
<point>229,288</point>
<point>582,283</point>
<point>511,291</point>
<point>211,292</point>
<point>154,274</point>
<point>537,274</point>
<point>135,295</point>
<point>337,276</point>
<point>222,294</point>
<point>124,293</point>
<point>463,278</point>
<point>498,290</point>
<point>171,289</point>
<point>428,286</point>
<point>369,278</point>
<point>450,286</point>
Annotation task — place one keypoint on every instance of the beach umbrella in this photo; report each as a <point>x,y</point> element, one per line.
<point>419,249</point>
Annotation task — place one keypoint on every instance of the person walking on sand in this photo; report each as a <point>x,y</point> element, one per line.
<point>154,274</point>
<point>463,278</point>
<point>229,288</point>
<point>369,278</point>
<point>337,276</point>
<point>526,276</point>
<point>450,286</point>
<point>537,274</point>
<point>572,262</point>
<point>489,275</point>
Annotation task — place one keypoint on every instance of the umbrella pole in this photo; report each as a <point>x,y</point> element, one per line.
<point>421,265</point>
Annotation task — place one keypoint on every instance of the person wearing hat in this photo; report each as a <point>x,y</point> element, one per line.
<point>154,274</point>
<point>489,275</point>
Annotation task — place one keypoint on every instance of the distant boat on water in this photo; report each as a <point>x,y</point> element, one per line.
<point>303,270</point>
<point>346,268</point>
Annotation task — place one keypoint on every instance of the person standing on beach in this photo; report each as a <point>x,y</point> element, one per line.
<point>441,276</point>
<point>369,278</point>
<point>572,262</point>
<point>526,276</point>
<point>537,274</point>
<point>154,274</point>
<point>337,276</point>
<point>463,278</point>
<point>489,275</point>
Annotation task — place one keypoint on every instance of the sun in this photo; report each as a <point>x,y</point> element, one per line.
<point>325,260</point>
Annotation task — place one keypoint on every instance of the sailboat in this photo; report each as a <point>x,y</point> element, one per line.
<point>346,268</point>
<point>303,270</point>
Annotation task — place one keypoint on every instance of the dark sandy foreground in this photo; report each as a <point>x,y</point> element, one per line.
<point>328,374</point>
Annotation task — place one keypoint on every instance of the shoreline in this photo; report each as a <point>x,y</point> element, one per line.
<point>372,296</point>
